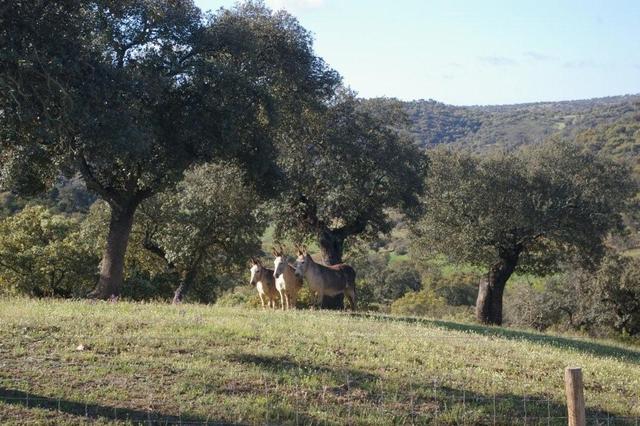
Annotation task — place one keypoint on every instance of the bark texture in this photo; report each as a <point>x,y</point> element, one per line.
<point>112,264</point>
<point>331,247</point>
<point>491,290</point>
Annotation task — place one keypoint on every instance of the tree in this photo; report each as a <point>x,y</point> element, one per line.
<point>211,223</point>
<point>618,282</point>
<point>346,171</point>
<point>43,254</point>
<point>530,210</point>
<point>132,93</point>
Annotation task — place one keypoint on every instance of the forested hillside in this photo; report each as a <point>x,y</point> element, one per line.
<point>481,127</point>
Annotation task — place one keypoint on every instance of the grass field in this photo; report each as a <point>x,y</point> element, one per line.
<point>66,362</point>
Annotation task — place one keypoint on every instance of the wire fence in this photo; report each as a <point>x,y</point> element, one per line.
<point>285,392</point>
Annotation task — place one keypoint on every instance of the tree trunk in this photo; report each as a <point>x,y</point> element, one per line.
<point>489,302</point>
<point>112,264</point>
<point>331,247</point>
<point>185,285</point>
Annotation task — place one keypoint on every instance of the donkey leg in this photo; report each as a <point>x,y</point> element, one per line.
<point>281,299</point>
<point>261,299</point>
<point>293,298</point>
<point>351,294</point>
<point>320,297</point>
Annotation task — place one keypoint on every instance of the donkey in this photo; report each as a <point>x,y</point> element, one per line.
<point>262,278</point>
<point>327,280</point>
<point>287,283</point>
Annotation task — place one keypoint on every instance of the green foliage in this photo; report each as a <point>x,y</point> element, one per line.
<point>133,93</point>
<point>347,169</point>
<point>552,202</point>
<point>620,139</point>
<point>44,254</point>
<point>482,128</point>
<point>604,302</point>
<point>618,280</point>
<point>241,296</point>
<point>203,232</point>
<point>457,289</point>
<point>427,303</point>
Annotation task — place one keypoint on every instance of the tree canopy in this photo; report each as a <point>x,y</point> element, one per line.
<point>530,210</point>
<point>346,169</point>
<point>131,93</point>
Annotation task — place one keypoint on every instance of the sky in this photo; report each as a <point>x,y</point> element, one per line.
<point>475,52</point>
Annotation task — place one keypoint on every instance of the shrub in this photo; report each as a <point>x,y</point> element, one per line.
<point>44,254</point>
<point>599,302</point>
<point>427,303</point>
<point>618,282</point>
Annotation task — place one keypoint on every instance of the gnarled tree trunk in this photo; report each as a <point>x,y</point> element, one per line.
<point>112,264</point>
<point>331,247</point>
<point>491,290</point>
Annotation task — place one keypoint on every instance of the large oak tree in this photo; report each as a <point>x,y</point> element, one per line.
<point>351,164</point>
<point>529,210</point>
<point>131,93</point>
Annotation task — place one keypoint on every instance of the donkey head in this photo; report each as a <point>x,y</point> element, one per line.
<point>256,270</point>
<point>280,262</point>
<point>301,262</point>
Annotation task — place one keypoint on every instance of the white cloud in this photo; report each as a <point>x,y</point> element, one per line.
<point>294,4</point>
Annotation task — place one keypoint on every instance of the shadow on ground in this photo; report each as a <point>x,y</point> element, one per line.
<point>278,364</point>
<point>592,348</point>
<point>97,411</point>
<point>423,402</point>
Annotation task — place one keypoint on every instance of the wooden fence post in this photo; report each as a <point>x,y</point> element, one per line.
<point>575,396</point>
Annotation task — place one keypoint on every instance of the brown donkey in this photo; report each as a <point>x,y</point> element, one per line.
<point>327,280</point>
<point>287,283</point>
<point>262,278</point>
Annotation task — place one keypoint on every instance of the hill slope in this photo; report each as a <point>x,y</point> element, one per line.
<point>512,125</point>
<point>64,361</point>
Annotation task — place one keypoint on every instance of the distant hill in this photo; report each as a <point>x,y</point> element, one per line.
<point>509,126</point>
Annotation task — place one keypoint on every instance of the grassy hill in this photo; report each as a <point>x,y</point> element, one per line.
<point>61,362</point>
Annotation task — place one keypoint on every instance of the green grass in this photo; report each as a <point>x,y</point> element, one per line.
<point>202,363</point>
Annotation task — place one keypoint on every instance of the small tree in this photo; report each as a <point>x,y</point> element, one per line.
<point>346,170</point>
<point>530,211</point>
<point>132,93</point>
<point>211,224</point>
<point>44,254</point>
<point>618,282</point>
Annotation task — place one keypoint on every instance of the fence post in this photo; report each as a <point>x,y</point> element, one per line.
<point>575,396</point>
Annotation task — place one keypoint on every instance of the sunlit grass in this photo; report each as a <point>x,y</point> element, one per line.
<point>200,363</point>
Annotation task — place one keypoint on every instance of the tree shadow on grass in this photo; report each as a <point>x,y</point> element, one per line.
<point>278,364</point>
<point>423,402</point>
<point>592,348</point>
<point>455,406</point>
<point>89,411</point>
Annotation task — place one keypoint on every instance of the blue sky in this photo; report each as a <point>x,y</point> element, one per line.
<point>475,51</point>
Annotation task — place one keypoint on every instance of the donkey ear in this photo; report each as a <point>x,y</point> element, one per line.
<point>304,249</point>
<point>274,251</point>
